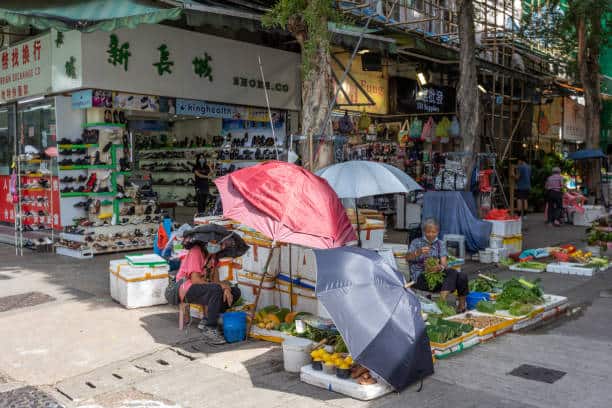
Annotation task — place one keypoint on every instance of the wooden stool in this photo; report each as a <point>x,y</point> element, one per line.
<point>184,316</point>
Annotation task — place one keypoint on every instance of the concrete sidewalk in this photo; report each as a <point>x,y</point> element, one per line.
<point>81,348</point>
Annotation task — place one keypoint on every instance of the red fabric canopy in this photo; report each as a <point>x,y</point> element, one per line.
<point>287,203</point>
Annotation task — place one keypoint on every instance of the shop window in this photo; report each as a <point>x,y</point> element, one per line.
<point>7,138</point>
<point>36,125</point>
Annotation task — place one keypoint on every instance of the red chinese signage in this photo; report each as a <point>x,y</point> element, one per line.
<point>25,69</point>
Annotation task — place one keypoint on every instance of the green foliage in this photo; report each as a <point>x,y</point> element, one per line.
<point>554,25</point>
<point>306,18</point>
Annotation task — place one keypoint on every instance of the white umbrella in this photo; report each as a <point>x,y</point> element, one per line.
<point>359,178</point>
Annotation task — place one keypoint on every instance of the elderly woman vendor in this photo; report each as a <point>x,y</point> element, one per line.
<point>428,246</point>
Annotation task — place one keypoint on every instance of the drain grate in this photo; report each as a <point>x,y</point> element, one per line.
<point>23,300</point>
<point>27,397</point>
<point>536,373</point>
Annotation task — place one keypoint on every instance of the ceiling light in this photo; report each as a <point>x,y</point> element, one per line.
<point>524,144</point>
<point>537,146</point>
<point>481,88</point>
<point>36,98</point>
<point>421,78</point>
<point>364,51</point>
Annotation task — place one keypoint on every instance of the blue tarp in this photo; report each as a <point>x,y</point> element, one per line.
<point>587,154</point>
<point>456,213</point>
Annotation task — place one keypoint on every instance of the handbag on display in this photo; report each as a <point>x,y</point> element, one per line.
<point>345,124</point>
<point>416,129</point>
<point>404,133</point>
<point>364,121</point>
<point>455,128</point>
<point>442,129</point>
<point>426,134</point>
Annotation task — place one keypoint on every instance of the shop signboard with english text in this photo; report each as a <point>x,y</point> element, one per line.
<point>25,69</point>
<point>161,60</point>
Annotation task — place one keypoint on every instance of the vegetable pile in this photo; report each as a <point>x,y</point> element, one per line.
<point>441,331</point>
<point>484,283</point>
<point>538,266</point>
<point>485,307</point>
<point>519,296</point>
<point>433,275</point>
<point>445,308</point>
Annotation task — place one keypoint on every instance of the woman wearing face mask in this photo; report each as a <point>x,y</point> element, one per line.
<point>201,173</point>
<point>202,286</point>
<point>429,245</point>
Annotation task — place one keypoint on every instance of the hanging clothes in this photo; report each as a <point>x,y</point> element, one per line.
<point>443,130</point>
<point>364,121</point>
<point>426,134</point>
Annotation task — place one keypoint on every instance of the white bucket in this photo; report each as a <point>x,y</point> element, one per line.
<point>296,353</point>
<point>486,257</point>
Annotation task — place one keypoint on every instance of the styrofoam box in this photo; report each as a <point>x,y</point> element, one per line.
<point>498,253</point>
<point>513,244</point>
<point>505,228</point>
<point>496,242</point>
<point>248,291</point>
<point>138,286</point>
<point>289,255</point>
<point>255,258</point>
<point>348,387</point>
<point>591,214</point>
<point>372,234</point>
<point>518,268</point>
<point>570,268</point>
<point>553,301</point>
<point>307,264</point>
<point>304,299</point>
<point>228,269</point>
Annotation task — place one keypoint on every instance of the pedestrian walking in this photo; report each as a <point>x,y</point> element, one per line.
<point>523,186</point>
<point>554,196</point>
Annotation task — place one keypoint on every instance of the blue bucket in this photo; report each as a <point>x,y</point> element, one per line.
<point>234,326</point>
<point>474,297</point>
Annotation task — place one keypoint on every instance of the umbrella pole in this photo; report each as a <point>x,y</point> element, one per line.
<point>358,226</point>
<point>261,280</point>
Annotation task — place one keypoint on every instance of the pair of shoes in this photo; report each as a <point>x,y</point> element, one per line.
<point>202,324</point>
<point>212,336</point>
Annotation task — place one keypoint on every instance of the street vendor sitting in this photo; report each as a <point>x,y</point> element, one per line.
<point>203,287</point>
<point>430,246</point>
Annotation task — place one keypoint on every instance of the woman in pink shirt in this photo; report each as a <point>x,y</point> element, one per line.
<point>554,196</point>
<point>202,286</point>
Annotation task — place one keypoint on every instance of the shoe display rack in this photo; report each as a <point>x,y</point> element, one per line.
<point>107,213</point>
<point>35,214</point>
<point>173,166</point>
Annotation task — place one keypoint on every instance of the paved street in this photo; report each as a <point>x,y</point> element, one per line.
<point>79,348</point>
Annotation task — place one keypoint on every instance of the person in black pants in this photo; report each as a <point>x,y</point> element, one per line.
<point>554,196</point>
<point>201,172</point>
<point>430,246</point>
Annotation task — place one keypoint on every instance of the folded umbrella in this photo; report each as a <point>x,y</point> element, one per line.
<point>377,316</point>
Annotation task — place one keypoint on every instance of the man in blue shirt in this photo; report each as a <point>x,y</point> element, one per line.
<point>430,246</point>
<point>523,185</point>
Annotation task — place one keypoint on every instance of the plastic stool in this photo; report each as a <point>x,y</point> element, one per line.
<point>456,241</point>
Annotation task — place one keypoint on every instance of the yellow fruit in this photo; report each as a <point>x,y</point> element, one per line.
<point>261,325</point>
<point>348,360</point>
<point>273,319</point>
<point>344,366</point>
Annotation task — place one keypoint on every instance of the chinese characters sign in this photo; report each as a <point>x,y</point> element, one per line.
<point>25,69</point>
<point>430,100</point>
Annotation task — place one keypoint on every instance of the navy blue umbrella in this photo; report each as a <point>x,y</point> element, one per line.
<point>378,318</point>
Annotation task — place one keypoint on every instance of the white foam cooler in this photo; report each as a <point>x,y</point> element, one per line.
<point>138,285</point>
<point>255,258</point>
<point>248,283</point>
<point>301,298</point>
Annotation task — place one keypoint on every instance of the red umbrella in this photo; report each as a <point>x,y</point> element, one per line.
<point>287,203</point>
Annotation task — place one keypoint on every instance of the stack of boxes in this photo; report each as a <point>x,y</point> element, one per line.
<point>506,238</point>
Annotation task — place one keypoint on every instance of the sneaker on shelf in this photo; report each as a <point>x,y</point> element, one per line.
<point>212,336</point>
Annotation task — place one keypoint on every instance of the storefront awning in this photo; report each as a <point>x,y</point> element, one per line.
<point>86,15</point>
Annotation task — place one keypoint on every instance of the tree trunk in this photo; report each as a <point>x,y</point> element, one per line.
<point>468,100</point>
<point>588,65</point>
<point>316,95</point>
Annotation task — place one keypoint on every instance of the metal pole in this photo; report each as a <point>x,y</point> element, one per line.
<point>268,105</point>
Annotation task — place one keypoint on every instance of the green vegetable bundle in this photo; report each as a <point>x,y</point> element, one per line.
<point>485,307</point>
<point>519,295</point>
<point>433,275</point>
<point>441,331</point>
<point>445,308</point>
<point>482,284</point>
